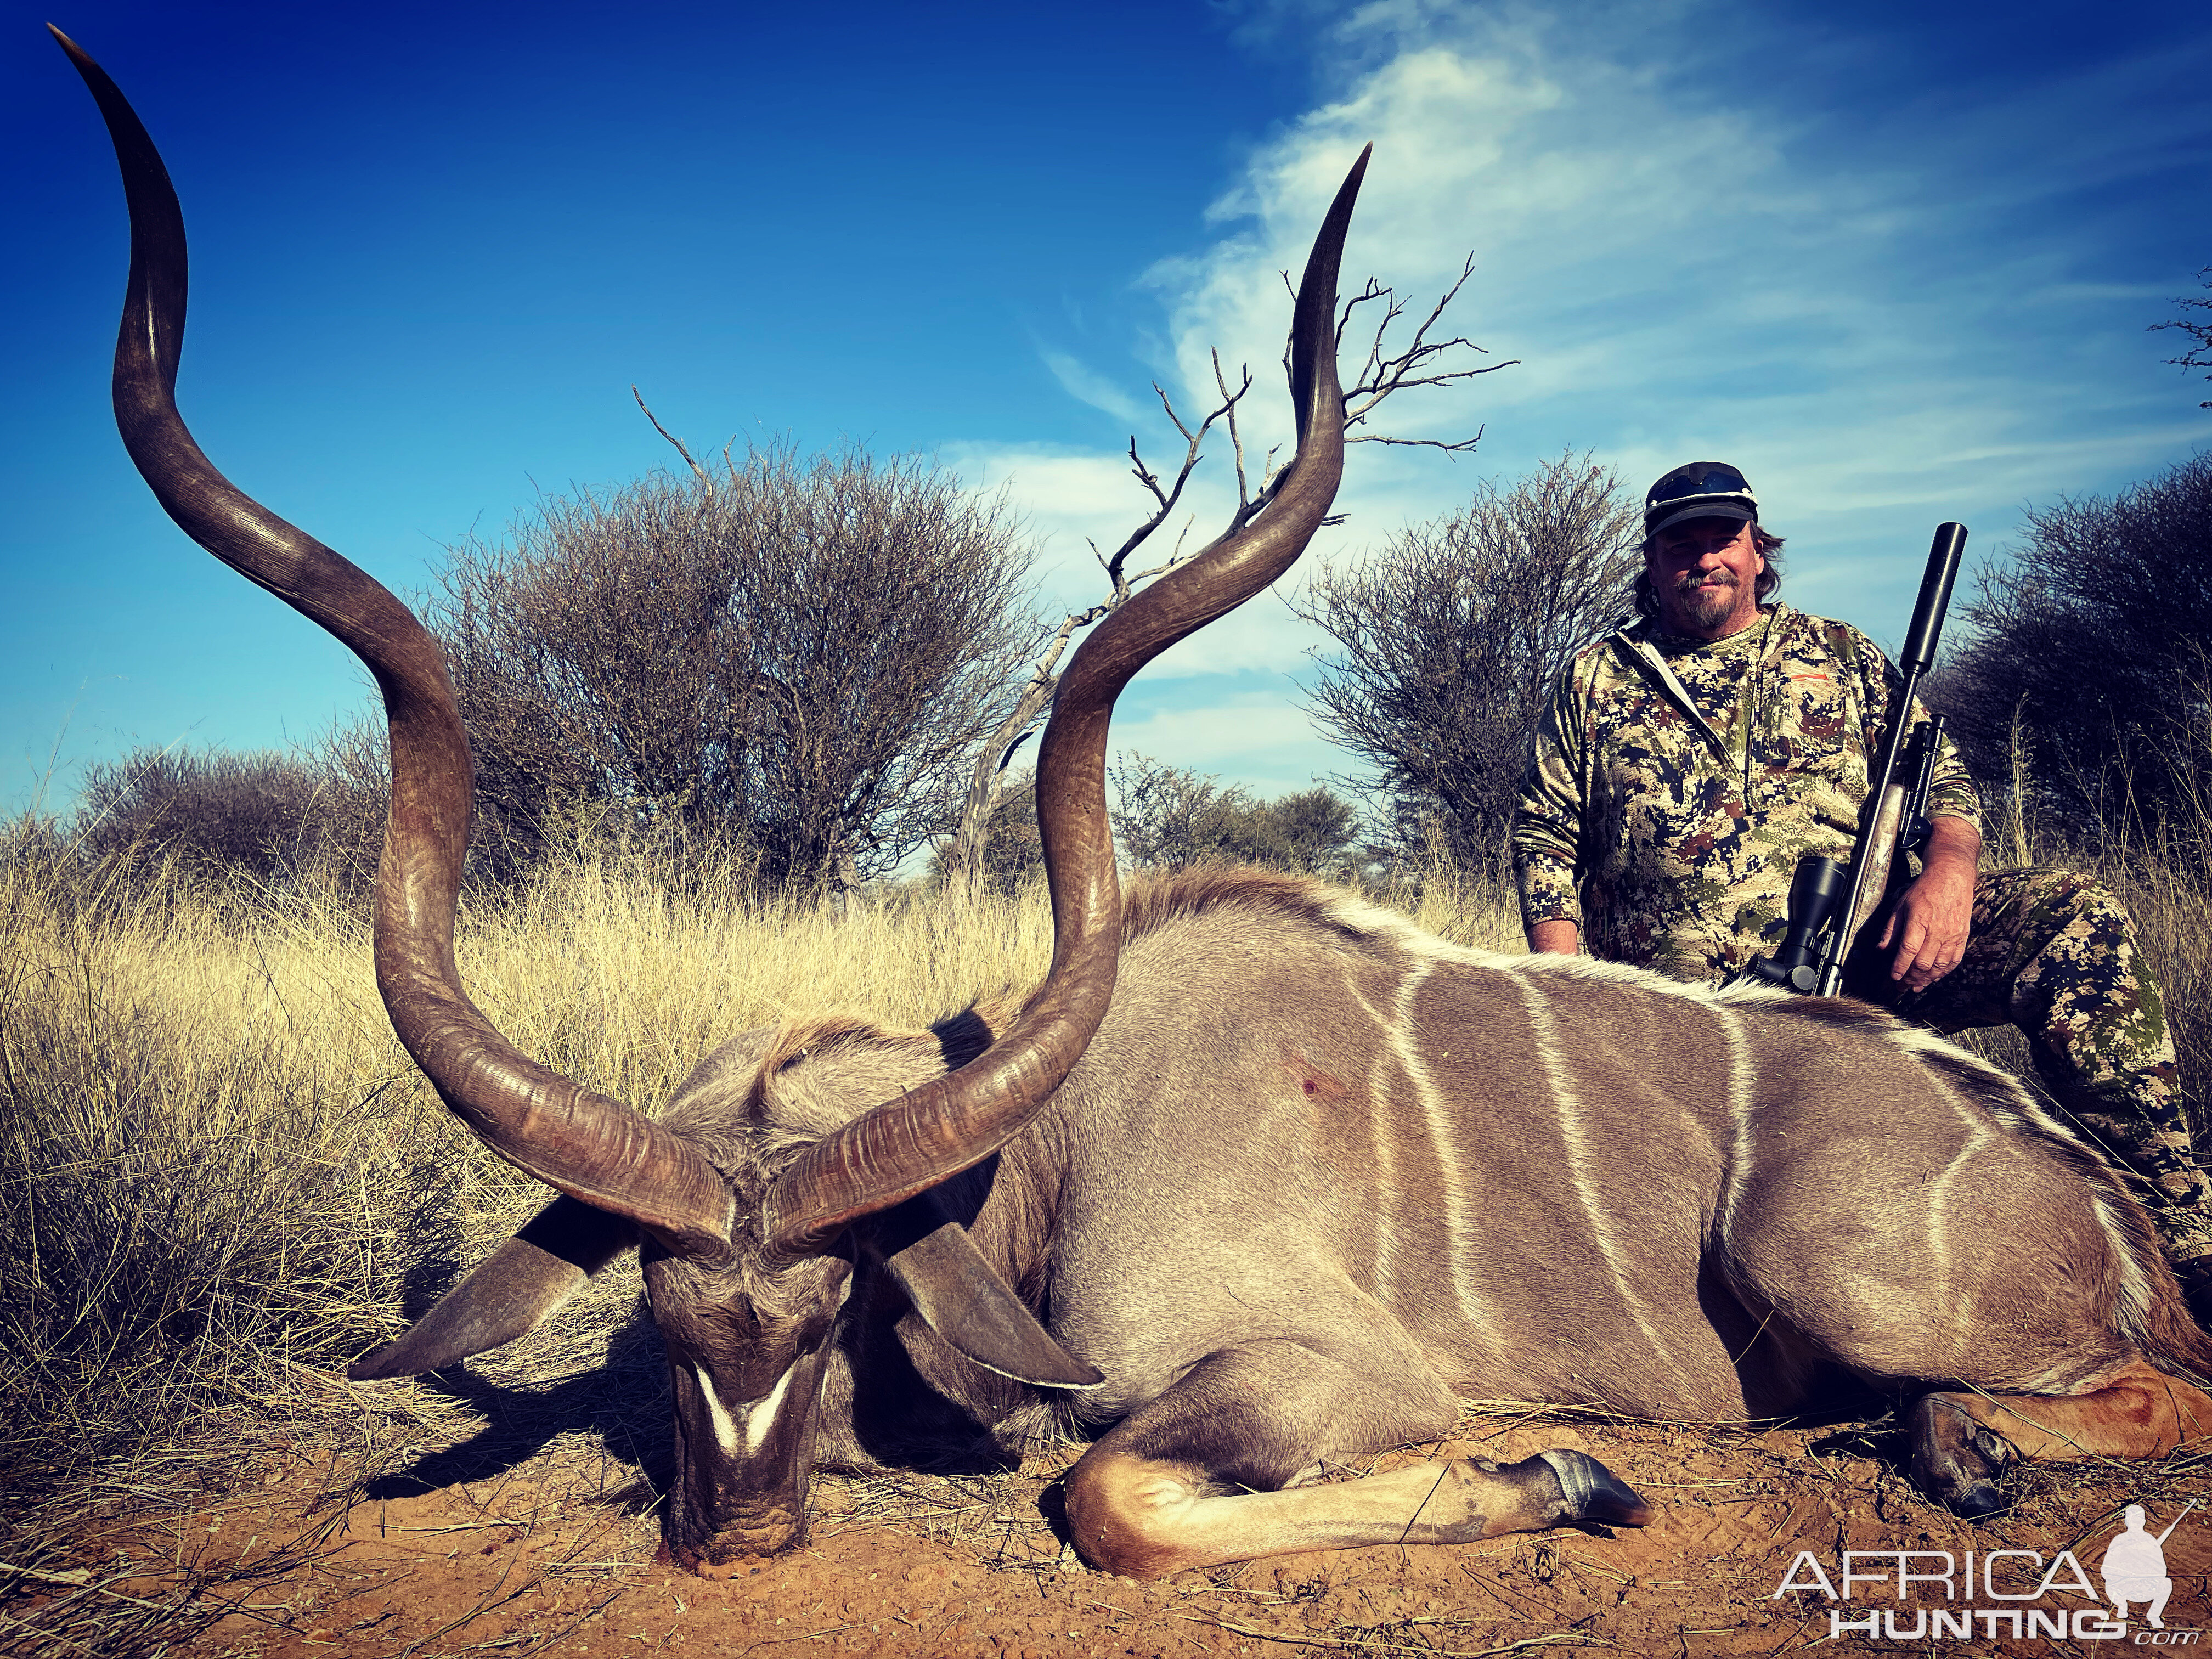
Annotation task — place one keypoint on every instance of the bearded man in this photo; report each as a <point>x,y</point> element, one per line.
<point>1688,761</point>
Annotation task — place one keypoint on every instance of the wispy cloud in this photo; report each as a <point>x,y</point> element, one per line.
<point>1872,308</point>
<point>1890,304</point>
<point>1086,384</point>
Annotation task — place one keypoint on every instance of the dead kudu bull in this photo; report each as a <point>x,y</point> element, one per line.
<point>1311,1177</point>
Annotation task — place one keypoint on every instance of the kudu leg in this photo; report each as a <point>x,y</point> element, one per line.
<point>1160,1492</point>
<point>1960,1441</point>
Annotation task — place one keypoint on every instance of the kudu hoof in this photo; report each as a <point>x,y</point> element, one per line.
<point>1977,1502</point>
<point>1980,1500</point>
<point>1956,1461</point>
<point>1589,1492</point>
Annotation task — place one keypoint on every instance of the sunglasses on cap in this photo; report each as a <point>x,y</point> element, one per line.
<point>1697,479</point>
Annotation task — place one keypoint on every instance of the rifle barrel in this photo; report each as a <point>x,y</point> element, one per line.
<point>1919,654</point>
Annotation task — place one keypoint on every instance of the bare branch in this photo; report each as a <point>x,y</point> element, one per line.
<point>1235,440</point>
<point>2199,355</point>
<point>1166,402</point>
<point>1271,475</point>
<point>1462,446</point>
<point>1421,362</point>
<point>1145,474</point>
<point>1393,309</point>
<point>1383,373</point>
<point>698,471</point>
<point>1193,453</point>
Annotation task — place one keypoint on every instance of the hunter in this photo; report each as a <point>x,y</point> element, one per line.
<point>1690,759</point>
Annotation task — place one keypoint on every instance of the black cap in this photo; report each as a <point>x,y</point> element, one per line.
<point>1698,489</point>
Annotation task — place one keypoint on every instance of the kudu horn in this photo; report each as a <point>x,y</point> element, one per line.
<point>590,1146</point>
<point>908,1146</point>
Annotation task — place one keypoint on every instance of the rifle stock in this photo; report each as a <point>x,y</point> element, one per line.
<point>1877,849</point>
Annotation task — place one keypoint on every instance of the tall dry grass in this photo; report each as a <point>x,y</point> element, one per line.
<point>2158,863</point>
<point>221,1179</point>
<point>218,1170</point>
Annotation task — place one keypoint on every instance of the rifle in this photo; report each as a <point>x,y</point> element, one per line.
<point>1813,952</point>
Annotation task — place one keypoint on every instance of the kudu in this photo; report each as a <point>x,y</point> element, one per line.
<point>1315,1176</point>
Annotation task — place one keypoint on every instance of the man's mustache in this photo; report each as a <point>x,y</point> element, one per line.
<point>1689,582</point>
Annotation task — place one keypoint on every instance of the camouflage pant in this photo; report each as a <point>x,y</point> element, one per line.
<point>2054,954</point>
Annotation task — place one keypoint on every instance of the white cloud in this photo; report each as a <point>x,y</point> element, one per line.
<point>1086,384</point>
<point>1883,302</point>
<point>1681,273</point>
<point>1260,739</point>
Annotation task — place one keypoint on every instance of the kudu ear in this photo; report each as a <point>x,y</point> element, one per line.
<point>963,1301</point>
<point>518,1285</point>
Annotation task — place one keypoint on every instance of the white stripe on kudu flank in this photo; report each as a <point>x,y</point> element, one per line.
<point>1382,1165</point>
<point>1580,1162</point>
<point>1979,1134</point>
<point>1743,1080</point>
<point>1938,1207</point>
<point>1404,1042</point>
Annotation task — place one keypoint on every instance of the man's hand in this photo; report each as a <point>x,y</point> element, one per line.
<point>1933,914</point>
<point>1556,938</point>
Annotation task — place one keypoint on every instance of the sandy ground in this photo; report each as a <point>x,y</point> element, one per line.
<point>558,1552</point>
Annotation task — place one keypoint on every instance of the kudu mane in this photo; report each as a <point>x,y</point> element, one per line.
<point>1151,905</point>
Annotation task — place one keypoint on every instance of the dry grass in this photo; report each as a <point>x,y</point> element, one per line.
<point>217,1163</point>
<point>221,1179</point>
<point>2161,870</point>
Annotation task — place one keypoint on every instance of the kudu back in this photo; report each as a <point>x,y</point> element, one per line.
<point>1260,1176</point>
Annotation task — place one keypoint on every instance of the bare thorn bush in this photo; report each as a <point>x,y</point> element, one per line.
<point>1447,639</point>
<point>794,657</point>
<point>264,818</point>
<point>1170,818</point>
<point>2091,637</point>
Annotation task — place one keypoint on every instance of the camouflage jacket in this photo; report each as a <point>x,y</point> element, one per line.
<point>1678,783</point>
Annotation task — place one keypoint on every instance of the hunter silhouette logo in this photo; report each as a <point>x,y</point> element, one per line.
<point>2134,1567</point>
<point>2013,1593</point>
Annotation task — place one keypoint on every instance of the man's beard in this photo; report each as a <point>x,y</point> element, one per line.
<point>1707,598</point>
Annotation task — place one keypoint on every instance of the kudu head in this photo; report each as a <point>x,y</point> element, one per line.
<point>748,1253</point>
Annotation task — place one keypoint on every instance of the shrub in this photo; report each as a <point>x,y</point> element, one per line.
<point>212,815</point>
<point>1449,640</point>
<point>2090,654</point>
<point>1171,818</point>
<point>791,658</point>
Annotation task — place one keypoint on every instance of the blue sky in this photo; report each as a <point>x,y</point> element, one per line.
<point>1896,262</point>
